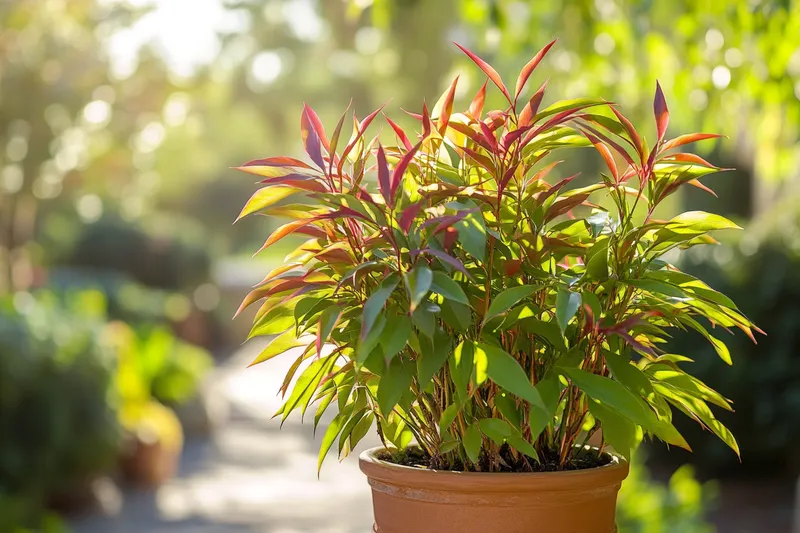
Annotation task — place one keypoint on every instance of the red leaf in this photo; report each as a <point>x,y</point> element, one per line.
<point>311,140</point>
<point>317,125</point>
<point>297,181</point>
<point>473,135</point>
<point>632,133</point>
<point>555,188</point>
<point>528,69</point>
<point>383,177</point>
<point>447,108</point>
<point>532,107</point>
<point>687,139</point>
<point>408,216</point>
<point>476,107</point>
<point>545,171</point>
<point>279,161</point>
<point>487,68</point>
<point>400,169</point>
<point>450,236</point>
<point>605,152</point>
<point>616,146</point>
<point>488,134</point>
<point>512,266</point>
<point>400,133</point>
<point>427,127</point>
<point>283,231</point>
<point>661,113</point>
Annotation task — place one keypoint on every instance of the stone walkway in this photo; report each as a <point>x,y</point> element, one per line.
<point>250,476</point>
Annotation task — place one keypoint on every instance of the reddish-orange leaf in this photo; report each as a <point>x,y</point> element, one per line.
<point>316,123</point>
<point>661,113</point>
<point>687,158</point>
<point>400,133</point>
<point>546,170</point>
<point>279,161</point>
<point>532,107</point>
<point>605,152</point>
<point>555,188</point>
<point>487,68</point>
<point>473,135</point>
<point>632,133</point>
<point>699,185</point>
<point>383,176</point>
<point>687,139</point>
<point>297,181</point>
<point>476,107</point>
<point>481,159</point>
<point>447,108</point>
<point>512,266</point>
<point>528,69</point>
<point>427,126</point>
<point>283,231</point>
<point>615,145</point>
<point>450,236</point>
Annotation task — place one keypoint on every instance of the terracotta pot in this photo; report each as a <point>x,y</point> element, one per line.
<point>413,500</point>
<point>150,464</point>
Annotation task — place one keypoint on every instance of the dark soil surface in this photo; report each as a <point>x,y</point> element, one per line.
<point>581,460</point>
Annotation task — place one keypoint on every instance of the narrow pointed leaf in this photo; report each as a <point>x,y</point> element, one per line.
<point>487,68</point>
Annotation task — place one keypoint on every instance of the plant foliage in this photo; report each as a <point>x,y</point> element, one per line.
<point>472,304</point>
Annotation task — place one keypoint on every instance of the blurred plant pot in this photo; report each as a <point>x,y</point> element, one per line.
<point>153,448</point>
<point>414,500</point>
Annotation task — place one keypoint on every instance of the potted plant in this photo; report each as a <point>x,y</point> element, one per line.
<point>486,319</point>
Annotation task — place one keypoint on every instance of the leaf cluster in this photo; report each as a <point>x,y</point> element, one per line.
<point>452,294</point>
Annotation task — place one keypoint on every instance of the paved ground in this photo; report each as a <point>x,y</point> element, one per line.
<point>249,477</point>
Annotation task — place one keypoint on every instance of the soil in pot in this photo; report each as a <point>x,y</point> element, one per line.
<point>410,499</point>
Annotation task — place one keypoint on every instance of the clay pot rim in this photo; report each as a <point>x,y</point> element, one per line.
<point>384,471</point>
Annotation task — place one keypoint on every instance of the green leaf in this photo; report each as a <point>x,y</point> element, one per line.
<point>361,429</point>
<point>368,345</point>
<point>448,416</point>
<point>462,361</point>
<point>348,427</point>
<point>618,431</point>
<point>699,221</point>
<point>591,299</point>
<point>433,356</point>
<point>496,429</point>
<point>276,321</point>
<point>375,303</point>
<point>444,285</point>
<point>472,442</point>
<point>547,331</point>
<point>597,261</point>
<point>612,394</point>
<point>550,390</point>
<point>280,344</point>
<point>395,339</point>
<point>393,384</point>
<point>264,198</point>
<point>457,316</point>
<point>567,304</point>
<point>425,319</point>
<point>719,346</point>
<point>307,384</point>
<point>507,299</point>
<point>472,234</point>
<point>336,426</point>
<point>419,283</point>
<point>327,321</point>
<point>628,374</point>
<point>504,370</point>
<point>506,403</point>
<point>521,445</point>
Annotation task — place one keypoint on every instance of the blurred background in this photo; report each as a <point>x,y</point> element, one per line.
<point>124,403</point>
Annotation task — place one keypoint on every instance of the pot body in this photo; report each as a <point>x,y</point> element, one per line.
<point>412,500</point>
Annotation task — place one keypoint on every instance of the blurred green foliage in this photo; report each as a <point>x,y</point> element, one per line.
<point>57,401</point>
<point>679,506</point>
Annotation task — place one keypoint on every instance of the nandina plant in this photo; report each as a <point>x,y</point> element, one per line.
<point>453,295</point>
